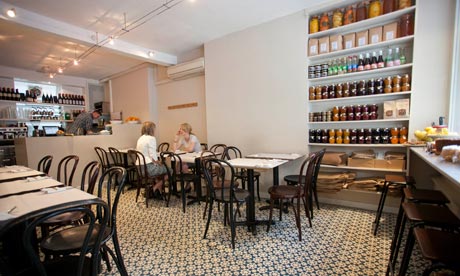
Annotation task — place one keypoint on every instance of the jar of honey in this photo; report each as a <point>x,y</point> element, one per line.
<point>361,12</point>
<point>337,18</point>
<point>394,139</point>
<point>406,25</point>
<point>402,139</point>
<point>311,93</point>
<point>319,93</point>
<point>331,139</point>
<point>335,110</point>
<point>324,22</point>
<point>404,4</point>
<point>338,140</point>
<point>394,131</point>
<point>314,24</point>
<point>338,133</point>
<point>403,131</point>
<point>375,9</point>
<point>346,139</point>
<point>396,80</point>
<point>388,6</point>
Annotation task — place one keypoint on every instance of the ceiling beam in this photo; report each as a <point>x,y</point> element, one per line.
<point>61,28</point>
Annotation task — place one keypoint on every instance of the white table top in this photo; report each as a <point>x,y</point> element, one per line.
<point>446,168</point>
<point>255,163</point>
<point>189,157</point>
<point>25,185</point>
<point>283,156</point>
<point>27,203</point>
<point>16,172</point>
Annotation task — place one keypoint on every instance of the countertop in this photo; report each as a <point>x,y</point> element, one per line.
<point>448,169</point>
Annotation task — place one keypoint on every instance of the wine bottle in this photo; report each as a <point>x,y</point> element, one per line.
<point>380,62</point>
<point>367,62</point>
<point>374,61</point>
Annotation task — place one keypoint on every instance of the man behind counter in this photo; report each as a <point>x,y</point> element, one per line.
<point>84,121</point>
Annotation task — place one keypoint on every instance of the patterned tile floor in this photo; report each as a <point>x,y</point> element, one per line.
<point>164,241</point>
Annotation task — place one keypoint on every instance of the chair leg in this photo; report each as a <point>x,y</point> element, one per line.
<point>407,252</point>
<point>258,193</point>
<point>183,195</point>
<point>232,225</point>
<point>380,207</point>
<point>270,214</point>
<point>297,217</point>
<point>211,201</point>
<point>315,193</point>
<point>396,242</point>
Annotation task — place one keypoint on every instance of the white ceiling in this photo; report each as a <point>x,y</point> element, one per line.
<point>57,31</point>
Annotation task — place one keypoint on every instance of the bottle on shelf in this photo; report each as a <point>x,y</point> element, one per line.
<point>349,64</point>
<point>17,95</point>
<point>380,62</point>
<point>339,67</point>
<point>402,57</point>
<point>374,61</point>
<point>361,63</point>
<point>396,60</point>
<point>334,67</point>
<point>344,65</point>
<point>367,62</point>
<point>3,93</point>
<point>354,63</point>
<point>389,58</point>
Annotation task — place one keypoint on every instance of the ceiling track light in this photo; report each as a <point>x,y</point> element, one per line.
<point>11,12</point>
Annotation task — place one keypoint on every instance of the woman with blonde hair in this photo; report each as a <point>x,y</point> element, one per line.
<point>147,145</point>
<point>186,140</point>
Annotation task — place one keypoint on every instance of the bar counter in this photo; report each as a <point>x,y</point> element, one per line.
<point>30,150</point>
<point>445,175</point>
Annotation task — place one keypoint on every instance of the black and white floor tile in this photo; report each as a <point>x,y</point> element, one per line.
<point>162,240</point>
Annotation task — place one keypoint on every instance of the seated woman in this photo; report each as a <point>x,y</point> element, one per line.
<point>187,141</point>
<point>147,145</point>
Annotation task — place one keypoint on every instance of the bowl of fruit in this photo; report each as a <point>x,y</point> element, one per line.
<point>132,120</point>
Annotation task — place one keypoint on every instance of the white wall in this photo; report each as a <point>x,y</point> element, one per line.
<point>135,95</point>
<point>181,92</point>
<point>432,60</point>
<point>256,91</point>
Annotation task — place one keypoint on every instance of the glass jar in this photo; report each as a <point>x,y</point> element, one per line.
<point>314,24</point>
<point>339,133</point>
<point>335,110</point>
<point>348,16</point>
<point>337,17</point>
<point>404,4</point>
<point>319,93</point>
<point>361,12</point>
<point>402,139</point>
<point>388,6</point>
<point>403,131</point>
<point>406,25</point>
<point>394,131</point>
<point>374,9</point>
<point>396,80</point>
<point>394,139</point>
<point>311,93</point>
<point>324,22</point>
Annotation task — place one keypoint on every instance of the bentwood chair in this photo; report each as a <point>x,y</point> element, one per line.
<point>163,147</point>
<point>219,150</point>
<point>66,169</point>
<point>89,240</point>
<point>177,175</point>
<point>104,159</point>
<point>144,180</point>
<point>88,181</point>
<point>120,159</point>
<point>204,146</point>
<point>300,191</point>
<point>44,164</point>
<point>292,180</point>
<point>69,240</point>
<point>220,181</point>
<point>232,152</point>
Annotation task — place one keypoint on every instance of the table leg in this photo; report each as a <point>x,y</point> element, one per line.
<point>197,183</point>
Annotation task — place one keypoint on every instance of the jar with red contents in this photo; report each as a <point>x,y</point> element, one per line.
<point>406,25</point>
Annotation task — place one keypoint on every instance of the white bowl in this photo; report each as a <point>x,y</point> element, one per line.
<point>116,122</point>
<point>133,122</point>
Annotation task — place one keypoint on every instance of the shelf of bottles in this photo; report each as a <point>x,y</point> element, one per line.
<point>11,94</point>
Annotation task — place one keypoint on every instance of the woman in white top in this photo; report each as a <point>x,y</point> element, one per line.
<point>147,145</point>
<point>186,140</point>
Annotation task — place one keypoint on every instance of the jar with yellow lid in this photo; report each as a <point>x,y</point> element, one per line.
<point>375,9</point>
<point>314,24</point>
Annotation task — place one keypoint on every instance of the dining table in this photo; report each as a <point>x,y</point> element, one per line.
<point>15,172</point>
<point>251,164</point>
<point>195,158</point>
<point>21,200</point>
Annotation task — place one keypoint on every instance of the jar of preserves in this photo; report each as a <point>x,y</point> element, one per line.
<point>337,18</point>
<point>324,22</point>
<point>331,91</point>
<point>403,131</point>
<point>338,90</point>
<point>325,92</point>
<point>339,133</point>
<point>348,16</point>
<point>353,89</point>
<point>346,132</point>
<point>331,132</point>
<point>346,139</point>
<point>319,93</point>
<point>338,140</point>
<point>406,25</point>
<point>394,139</point>
<point>311,93</point>
<point>388,88</point>
<point>378,86</point>
<point>375,9</point>
<point>361,12</point>
<point>394,131</point>
<point>404,4</point>
<point>314,24</point>
<point>396,80</point>
<point>346,89</point>
<point>335,110</point>
<point>402,139</point>
<point>405,78</point>
<point>388,6</point>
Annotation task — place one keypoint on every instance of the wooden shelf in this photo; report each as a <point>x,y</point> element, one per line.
<point>362,169</point>
<point>379,121</point>
<point>358,99</point>
<point>359,145</point>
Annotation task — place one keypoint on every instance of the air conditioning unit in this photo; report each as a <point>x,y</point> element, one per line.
<point>186,69</point>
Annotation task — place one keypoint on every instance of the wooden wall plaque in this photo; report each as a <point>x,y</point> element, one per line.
<point>179,106</point>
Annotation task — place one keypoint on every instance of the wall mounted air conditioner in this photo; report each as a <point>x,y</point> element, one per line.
<point>186,69</point>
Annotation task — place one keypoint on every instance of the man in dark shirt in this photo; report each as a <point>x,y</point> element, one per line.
<point>84,121</point>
